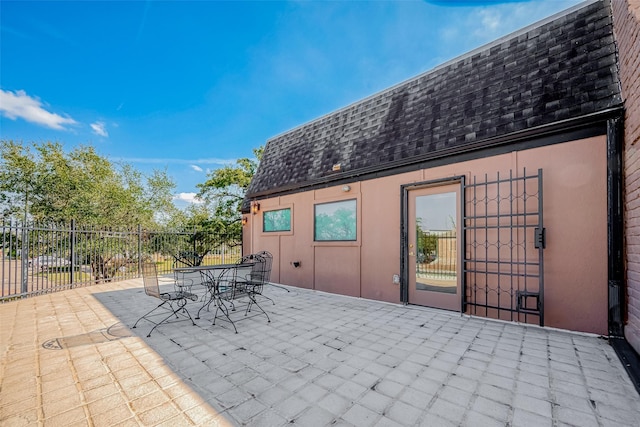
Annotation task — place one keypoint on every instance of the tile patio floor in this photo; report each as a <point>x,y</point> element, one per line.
<point>69,359</point>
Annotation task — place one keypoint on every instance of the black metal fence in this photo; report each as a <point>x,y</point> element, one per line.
<point>437,254</point>
<point>41,258</point>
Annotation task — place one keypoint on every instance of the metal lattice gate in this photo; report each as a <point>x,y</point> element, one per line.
<point>504,242</point>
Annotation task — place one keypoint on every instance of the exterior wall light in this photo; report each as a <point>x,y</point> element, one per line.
<point>255,208</point>
<point>346,188</point>
<point>245,220</point>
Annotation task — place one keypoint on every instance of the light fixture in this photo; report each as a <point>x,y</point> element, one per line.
<point>255,207</point>
<point>346,188</point>
<point>245,220</point>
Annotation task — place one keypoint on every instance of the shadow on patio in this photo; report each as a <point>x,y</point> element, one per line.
<point>323,360</point>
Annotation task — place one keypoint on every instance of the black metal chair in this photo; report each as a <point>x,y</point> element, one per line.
<point>266,273</point>
<point>252,283</point>
<point>267,255</point>
<point>178,297</point>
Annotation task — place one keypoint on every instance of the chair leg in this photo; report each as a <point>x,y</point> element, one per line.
<point>279,287</point>
<point>225,310</point>
<point>181,305</point>
<point>252,301</point>
<point>266,297</point>
<point>206,304</point>
<point>148,313</point>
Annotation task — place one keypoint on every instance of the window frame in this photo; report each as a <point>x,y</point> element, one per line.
<point>355,238</point>
<point>280,208</point>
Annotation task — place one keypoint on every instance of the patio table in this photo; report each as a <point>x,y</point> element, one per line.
<point>214,278</point>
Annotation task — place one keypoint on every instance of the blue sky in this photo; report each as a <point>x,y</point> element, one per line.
<point>191,86</point>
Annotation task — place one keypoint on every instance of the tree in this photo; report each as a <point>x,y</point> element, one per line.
<point>224,191</point>
<point>43,183</point>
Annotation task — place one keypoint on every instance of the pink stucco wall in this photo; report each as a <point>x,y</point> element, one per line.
<point>626,20</point>
<point>575,215</point>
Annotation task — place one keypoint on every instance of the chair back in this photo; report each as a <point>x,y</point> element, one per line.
<point>150,279</point>
<point>257,274</point>
<point>268,260</point>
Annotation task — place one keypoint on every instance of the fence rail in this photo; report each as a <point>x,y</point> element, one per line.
<point>42,258</point>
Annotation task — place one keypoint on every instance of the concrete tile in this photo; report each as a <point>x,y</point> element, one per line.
<point>329,381</point>
<point>360,416</point>
<point>476,419</point>
<point>351,390</point>
<point>431,420</point>
<point>531,404</point>
<point>365,379</point>
<point>111,416</point>
<point>247,410</point>
<point>389,388</point>
<point>456,396</point>
<point>462,383</point>
<point>314,416</point>
<point>274,395</point>
<point>256,385</point>
<point>387,422</point>
<point>623,417</point>
<point>267,418</point>
<point>447,410</point>
<point>403,413</point>
<point>576,418</point>
<point>293,382</point>
<point>232,398</point>
<point>312,393</point>
<point>75,416</point>
<point>375,401</point>
<point>523,418</point>
<point>335,404</point>
<point>157,414</point>
<point>491,408</point>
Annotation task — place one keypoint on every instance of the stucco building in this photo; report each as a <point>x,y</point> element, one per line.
<point>503,183</point>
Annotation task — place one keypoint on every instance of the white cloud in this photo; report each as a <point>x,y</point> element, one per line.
<point>187,197</point>
<point>100,128</point>
<point>490,20</point>
<point>18,104</point>
<point>155,160</point>
<point>196,168</point>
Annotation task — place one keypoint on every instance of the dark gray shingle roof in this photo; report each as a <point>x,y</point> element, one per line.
<point>561,69</point>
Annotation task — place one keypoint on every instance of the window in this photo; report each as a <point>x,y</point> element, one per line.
<point>335,221</point>
<point>278,220</point>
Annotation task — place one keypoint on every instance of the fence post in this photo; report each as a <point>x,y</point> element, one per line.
<point>139,249</point>
<point>24,260</point>
<point>194,241</point>
<point>72,249</point>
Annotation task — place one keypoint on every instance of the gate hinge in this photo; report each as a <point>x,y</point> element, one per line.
<point>540,240</point>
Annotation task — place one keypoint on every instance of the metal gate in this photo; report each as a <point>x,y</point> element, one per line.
<point>504,242</point>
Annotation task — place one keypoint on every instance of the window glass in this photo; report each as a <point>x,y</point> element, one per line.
<point>335,221</point>
<point>278,220</point>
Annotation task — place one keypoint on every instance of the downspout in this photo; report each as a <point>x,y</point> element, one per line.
<point>615,225</point>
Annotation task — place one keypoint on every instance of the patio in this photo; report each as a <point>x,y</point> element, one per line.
<point>69,358</point>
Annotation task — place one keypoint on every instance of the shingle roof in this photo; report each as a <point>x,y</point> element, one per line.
<point>559,69</point>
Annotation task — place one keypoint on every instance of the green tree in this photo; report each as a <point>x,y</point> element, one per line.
<point>44,183</point>
<point>223,193</point>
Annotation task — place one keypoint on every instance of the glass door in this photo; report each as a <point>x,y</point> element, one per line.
<point>434,247</point>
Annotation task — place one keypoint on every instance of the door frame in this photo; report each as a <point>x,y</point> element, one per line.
<point>404,231</point>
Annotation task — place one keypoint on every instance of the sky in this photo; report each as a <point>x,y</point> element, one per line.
<point>192,86</point>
